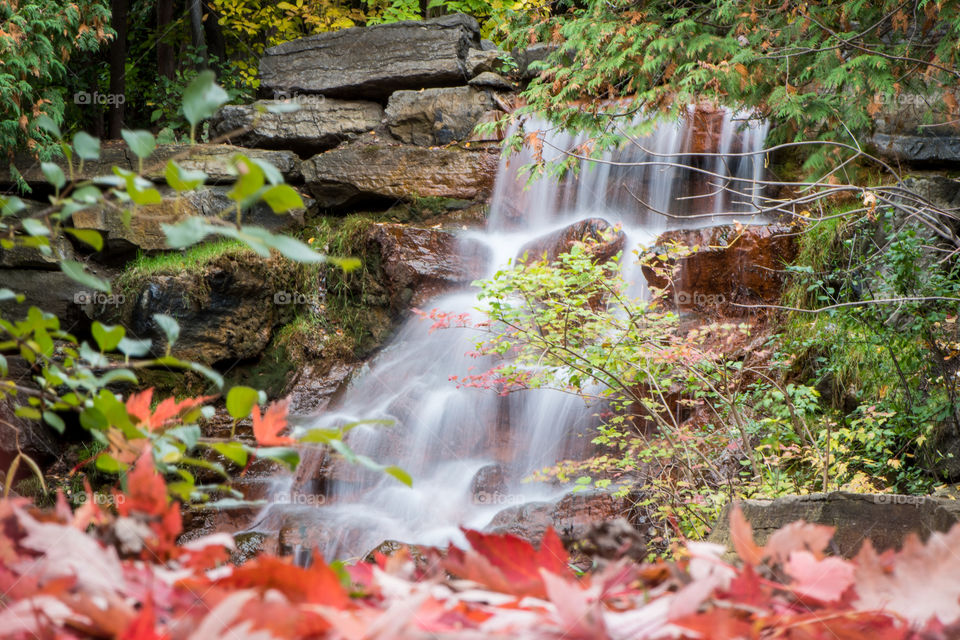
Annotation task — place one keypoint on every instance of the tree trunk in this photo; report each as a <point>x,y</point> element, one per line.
<point>217,46</point>
<point>197,36</point>
<point>118,61</point>
<point>166,62</point>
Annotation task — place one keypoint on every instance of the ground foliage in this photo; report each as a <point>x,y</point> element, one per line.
<point>119,573</point>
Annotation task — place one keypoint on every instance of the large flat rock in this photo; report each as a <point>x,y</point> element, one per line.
<point>374,61</point>
<point>885,519</point>
<point>319,124</point>
<point>213,159</point>
<point>357,171</point>
<point>436,116</point>
<point>918,149</point>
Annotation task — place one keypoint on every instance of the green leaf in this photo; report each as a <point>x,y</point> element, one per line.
<point>54,174</point>
<point>399,474</point>
<point>240,401</point>
<point>232,451</point>
<point>169,326</point>
<point>141,142</point>
<point>108,464</point>
<point>11,205</point>
<point>284,455</point>
<point>54,421</point>
<point>183,179</point>
<point>107,336</point>
<point>208,373</point>
<point>249,182</point>
<point>202,98</point>
<point>47,124</point>
<point>35,227</point>
<point>346,264</point>
<point>7,294</point>
<point>134,348</point>
<point>187,232</point>
<point>87,236</point>
<point>188,434</point>
<point>76,272</point>
<point>282,198</point>
<point>86,146</point>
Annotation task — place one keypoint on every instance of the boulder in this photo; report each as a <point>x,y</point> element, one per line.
<point>534,53</point>
<point>491,80</point>
<point>730,266</point>
<point>480,60</point>
<point>885,519</point>
<point>53,292</point>
<point>528,521</point>
<point>22,257</point>
<point>319,124</point>
<point>436,116</point>
<point>425,261</point>
<point>226,311</point>
<point>214,159</point>
<point>572,517</point>
<point>488,483</point>
<point>112,153</point>
<point>356,172</point>
<point>926,149</point>
<point>374,61</point>
<point>312,391</point>
<point>602,240</point>
<point>143,230</point>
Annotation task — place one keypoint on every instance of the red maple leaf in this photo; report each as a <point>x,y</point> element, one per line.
<point>146,491</point>
<point>507,563</point>
<point>138,406</point>
<point>317,585</point>
<point>265,429</point>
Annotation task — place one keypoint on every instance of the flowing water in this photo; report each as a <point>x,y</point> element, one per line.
<point>443,435</point>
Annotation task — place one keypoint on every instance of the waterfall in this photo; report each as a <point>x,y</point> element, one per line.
<point>443,435</point>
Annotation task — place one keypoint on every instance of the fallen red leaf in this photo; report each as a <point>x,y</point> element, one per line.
<point>265,429</point>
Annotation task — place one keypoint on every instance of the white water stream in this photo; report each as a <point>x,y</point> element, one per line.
<point>443,435</point>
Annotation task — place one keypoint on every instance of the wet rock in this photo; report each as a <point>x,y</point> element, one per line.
<point>226,312</point>
<point>144,232</point>
<point>248,545</point>
<point>577,512</point>
<point>928,149</point>
<point>602,240</point>
<point>491,80</point>
<point>883,518</point>
<point>313,390</point>
<point>21,257</point>
<point>611,540</point>
<point>319,124</point>
<point>730,267</point>
<point>374,61</point>
<point>528,521</point>
<point>425,261</point>
<point>436,116</point>
<point>35,439</point>
<point>488,483</point>
<point>356,172</point>
<point>481,60</point>
<point>390,547</point>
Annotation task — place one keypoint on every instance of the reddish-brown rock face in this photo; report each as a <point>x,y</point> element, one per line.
<point>729,267</point>
<point>603,241</point>
<point>426,261</point>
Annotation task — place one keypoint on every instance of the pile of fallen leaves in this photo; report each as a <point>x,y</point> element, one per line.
<point>91,573</point>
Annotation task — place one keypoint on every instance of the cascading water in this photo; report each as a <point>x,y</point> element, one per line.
<point>443,435</point>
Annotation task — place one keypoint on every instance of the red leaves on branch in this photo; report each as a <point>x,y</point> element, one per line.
<point>138,406</point>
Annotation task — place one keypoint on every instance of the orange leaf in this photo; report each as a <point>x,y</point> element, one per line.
<point>741,533</point>
<point>265,429</point>
<point>146,491</point>
<point>316,585</point>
